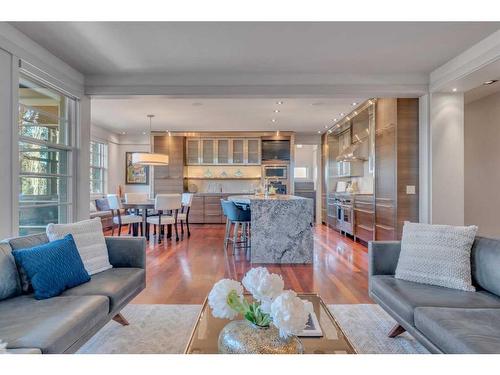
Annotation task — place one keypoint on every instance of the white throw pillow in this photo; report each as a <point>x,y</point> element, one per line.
<point>89,240</point>
<point>437,255</point>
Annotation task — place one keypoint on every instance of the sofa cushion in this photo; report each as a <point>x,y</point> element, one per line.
<point>118,284</point>
<point>52,267</point>
<point>24,243</point>
<point>460,330</point>
<point>437,255</point>
<point>52,325</point>
<point>486,263</point>
<point>89,240</point>
<point>404,296</point>
<point>10,283</point>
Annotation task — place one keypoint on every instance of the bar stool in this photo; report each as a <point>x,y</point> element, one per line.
<point>236,216</point>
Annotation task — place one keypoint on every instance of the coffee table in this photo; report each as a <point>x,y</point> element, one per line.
<point>206,331</point>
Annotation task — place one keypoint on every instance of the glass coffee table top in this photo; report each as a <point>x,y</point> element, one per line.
<point>205,333</point>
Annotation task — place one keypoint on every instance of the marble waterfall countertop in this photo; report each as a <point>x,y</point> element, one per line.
<point>281,228</point>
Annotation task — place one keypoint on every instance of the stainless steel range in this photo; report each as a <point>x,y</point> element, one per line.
<point>344,213</point>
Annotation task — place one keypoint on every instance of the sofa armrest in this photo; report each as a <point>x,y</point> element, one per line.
<point>127,252</point>
<point>383,257</point>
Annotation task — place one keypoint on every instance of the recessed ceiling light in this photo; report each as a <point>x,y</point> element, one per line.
<point>490,82</point>
<point>279,103</point>
<point>273,120</point>
<point>123,133</point>
<point>276,111</point>
<point>326,126</point>
<point>454,89</point>
<point>354,104</point>
<point>342,113</point>
<point>330,131</point>
<point>334,119</point>
<point>355,112</point>
<point>143,133</point>
<point>319,131</point>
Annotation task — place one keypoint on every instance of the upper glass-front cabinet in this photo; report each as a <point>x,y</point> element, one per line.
<point>253,151</point>
<point>193,151</point>
<point>224,151</point>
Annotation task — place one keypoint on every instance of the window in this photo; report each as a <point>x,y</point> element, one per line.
<point>98,165</point>
<point>46,119</point>
<point>300,172</point>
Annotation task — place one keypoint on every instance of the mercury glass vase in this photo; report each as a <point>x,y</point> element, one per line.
<point>243,337</point>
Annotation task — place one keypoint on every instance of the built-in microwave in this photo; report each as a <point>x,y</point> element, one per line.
<point>276,171</point>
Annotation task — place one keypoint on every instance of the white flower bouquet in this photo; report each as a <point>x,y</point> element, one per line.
<point>271,303</point>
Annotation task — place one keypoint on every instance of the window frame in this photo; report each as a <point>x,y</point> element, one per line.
<point>103,167</point>
<point>65,209</point>
<point>306,170</point>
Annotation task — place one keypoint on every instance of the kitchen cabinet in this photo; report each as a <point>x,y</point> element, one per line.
<point>396,165</point>
<point>348,169</point>
<point>169,178</point>
<point>253,151</point>
<point>238,151</point>
<point>223,151</point>
<point>207,151</point>
<point>364,217</point>
<point>206,208</point>
<point>193,151</point>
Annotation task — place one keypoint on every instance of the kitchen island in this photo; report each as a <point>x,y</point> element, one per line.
<point>281,228</point>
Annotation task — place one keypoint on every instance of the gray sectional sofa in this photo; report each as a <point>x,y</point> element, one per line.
<point>64,323</point>
<point>443,320</point>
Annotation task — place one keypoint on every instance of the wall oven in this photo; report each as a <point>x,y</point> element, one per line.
<point>276,171</point>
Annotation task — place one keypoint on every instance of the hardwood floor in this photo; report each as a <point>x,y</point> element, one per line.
<point>184,272</point>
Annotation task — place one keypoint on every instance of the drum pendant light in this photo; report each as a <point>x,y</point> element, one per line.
<point>149,158</point>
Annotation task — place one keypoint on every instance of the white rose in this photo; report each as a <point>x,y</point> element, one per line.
<point>217,299</point>
<point>264,286</point>
<point>3,347</point>
<point>289,314</point>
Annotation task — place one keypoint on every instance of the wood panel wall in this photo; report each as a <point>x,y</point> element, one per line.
<point>396,165</point>
<point>169,179</point>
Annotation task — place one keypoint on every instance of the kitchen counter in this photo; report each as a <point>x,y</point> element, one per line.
<point>281,228</point>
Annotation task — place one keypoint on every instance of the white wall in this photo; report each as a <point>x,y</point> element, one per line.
<point>482,165</point>
<point>447,155</point>
<point>17,49</point>
<point>118,145</point>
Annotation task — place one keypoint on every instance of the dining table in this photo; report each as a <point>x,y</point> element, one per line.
<point>143,207</point>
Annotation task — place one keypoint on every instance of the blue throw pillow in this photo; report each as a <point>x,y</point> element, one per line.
<point>52,267</point>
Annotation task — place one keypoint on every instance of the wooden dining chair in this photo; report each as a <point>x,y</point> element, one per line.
<point>167,206</point>
<point>120,219</point>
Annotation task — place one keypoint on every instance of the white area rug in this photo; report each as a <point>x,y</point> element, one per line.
<point>166,329</point>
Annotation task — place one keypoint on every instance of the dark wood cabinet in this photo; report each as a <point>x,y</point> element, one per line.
<point>169,179</point>
<point>364,217</point>
<point>396,165</point>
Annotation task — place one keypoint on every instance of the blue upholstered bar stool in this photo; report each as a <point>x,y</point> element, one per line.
<point>237,216</point>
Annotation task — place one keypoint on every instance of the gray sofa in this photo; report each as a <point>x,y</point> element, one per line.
<point>64,323</point>
<point>443,320</point>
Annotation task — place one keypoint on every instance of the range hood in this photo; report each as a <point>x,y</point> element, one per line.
<point>356,151</point>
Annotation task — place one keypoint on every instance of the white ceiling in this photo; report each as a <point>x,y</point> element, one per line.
<point>218,114</point>
<point>256,47</point>
<point>248,54</point>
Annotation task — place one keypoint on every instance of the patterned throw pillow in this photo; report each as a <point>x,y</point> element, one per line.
<point>52,267</point>
<point>437,255</point>
<point>89,241</point>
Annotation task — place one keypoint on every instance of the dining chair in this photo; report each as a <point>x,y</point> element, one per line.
<point>187,200</point>
<point>120,219</point>
<point>167,206</point>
